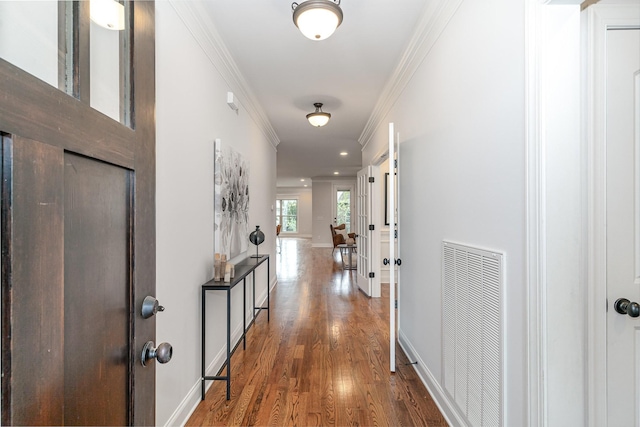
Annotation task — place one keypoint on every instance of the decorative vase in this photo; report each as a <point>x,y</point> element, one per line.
<point>256,237</point>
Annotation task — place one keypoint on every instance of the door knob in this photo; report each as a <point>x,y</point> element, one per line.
<point>395,261</point>
<point>624,306</point>
<point>150,306</point>
<point>162,354</point>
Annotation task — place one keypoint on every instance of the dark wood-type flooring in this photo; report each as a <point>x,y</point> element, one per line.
<point>322,360</point>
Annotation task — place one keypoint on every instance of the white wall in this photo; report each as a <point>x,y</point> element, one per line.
<point>305,209</point>
<point>462,172</point>
<point>322,214</point>
<point>191,113</point>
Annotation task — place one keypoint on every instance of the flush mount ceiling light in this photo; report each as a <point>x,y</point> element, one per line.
<point>318,118</point>
<point>317,19</point>
<point>107,13</point>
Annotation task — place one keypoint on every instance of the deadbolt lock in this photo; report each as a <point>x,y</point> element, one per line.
<point>150,306</point>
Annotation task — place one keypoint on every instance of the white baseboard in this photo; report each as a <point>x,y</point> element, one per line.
<point>321,245</point>
<point>431,383</point>
<point>191,401</point>
<point>385,275</point>
<point>188,405</point>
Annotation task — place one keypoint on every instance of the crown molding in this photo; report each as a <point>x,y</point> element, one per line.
<point>435,18</point>
<point>200,25</point>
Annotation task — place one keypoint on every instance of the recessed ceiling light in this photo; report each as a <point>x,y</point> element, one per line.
<point>306,185</point>
<point>336,173</point>
<point>344,153</point>
<point>302,180</point>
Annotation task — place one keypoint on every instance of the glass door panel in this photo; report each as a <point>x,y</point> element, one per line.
<point>29,37</point>
<point>343,208</point>
<point>109,59</point>
<point>52,39</point>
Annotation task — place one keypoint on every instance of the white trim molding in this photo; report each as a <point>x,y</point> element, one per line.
<point>535,188</point>
<point>553,173</point>
<point>446,406</point>
<point>196,19</point>
<point>435,18</point>
<point>597,20</point>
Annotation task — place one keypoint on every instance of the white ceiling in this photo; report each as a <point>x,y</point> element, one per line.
<point>287,73</point>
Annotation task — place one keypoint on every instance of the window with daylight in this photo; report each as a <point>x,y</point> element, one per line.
<point>287,215</point>
<point>343,208</point>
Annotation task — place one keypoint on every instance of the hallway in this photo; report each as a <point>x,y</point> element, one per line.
<point>322,359</point>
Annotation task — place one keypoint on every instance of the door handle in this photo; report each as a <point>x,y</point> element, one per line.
<point>150,306</point>
<point>395,261</point>
<point>162,354</point>
<point>624,306</point>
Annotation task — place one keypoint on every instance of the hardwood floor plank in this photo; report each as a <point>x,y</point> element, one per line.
<point>277,408</point>
<point>322,360</point>
<point>238,414</point>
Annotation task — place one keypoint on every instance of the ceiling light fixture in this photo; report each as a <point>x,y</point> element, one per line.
<point>317,19</point>
<point>107,13</point>
<point>318,118</point>
<point>344,153</point>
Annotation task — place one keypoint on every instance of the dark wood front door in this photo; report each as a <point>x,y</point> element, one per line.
<point>78,238</point>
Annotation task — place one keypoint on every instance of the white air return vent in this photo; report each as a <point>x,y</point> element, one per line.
<point>473,332</point>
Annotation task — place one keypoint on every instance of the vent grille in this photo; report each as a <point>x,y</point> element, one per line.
<point>473,332</point>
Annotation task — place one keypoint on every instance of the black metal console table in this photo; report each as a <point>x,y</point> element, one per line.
<point>242,270</point>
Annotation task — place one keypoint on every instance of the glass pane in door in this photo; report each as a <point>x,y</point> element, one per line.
<point>343,208</point>
<point>29,37</point>
<point>290,216</point>
<point>109,59</point>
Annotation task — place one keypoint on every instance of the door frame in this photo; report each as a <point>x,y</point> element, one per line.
<point>36,110</point>
<point>598,20</point>
<point>394,242</point>
<point>542,174</point>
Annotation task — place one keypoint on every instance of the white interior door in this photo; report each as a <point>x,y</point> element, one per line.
<point>394,247</point>
<point>623,225</point>
<point>363,197</point>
